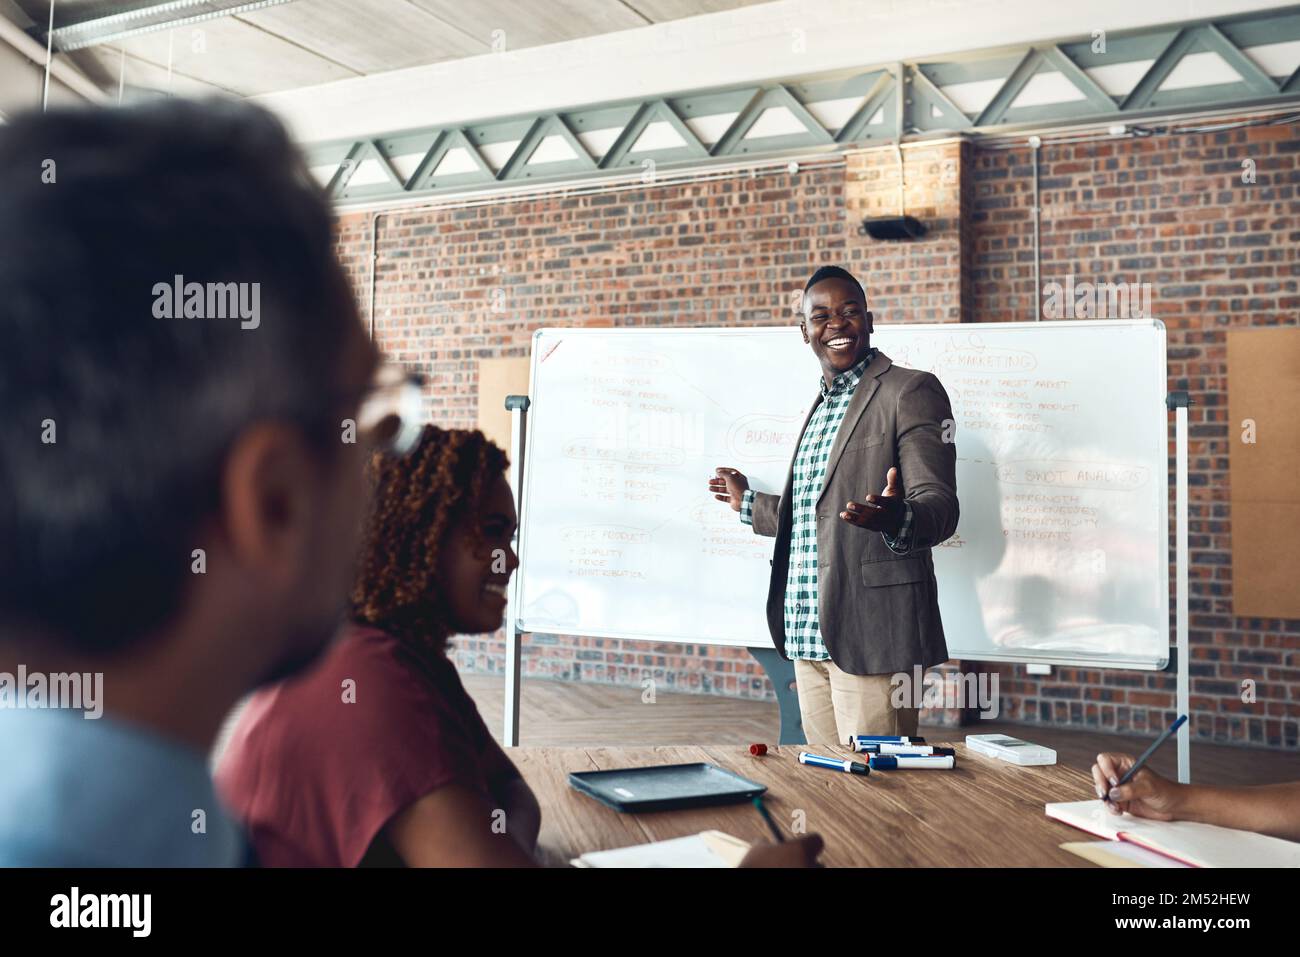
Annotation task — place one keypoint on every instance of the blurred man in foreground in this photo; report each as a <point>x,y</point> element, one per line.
<point>180,494</point>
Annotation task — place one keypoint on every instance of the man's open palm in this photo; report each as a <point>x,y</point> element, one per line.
<point>880,513</point>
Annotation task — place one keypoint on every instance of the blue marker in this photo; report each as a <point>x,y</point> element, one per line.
<point>887,747</point>
<point>834,764</point>
<point>897,762</point>
<point>890,738</point>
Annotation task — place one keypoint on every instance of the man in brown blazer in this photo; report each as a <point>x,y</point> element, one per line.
<point>853,598</point>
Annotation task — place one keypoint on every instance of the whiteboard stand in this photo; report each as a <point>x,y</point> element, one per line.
<point>780,672</point>
<point>518,408</point>
<point>1178,402</point>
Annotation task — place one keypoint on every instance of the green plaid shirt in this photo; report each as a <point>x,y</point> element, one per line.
<point>803,638</point>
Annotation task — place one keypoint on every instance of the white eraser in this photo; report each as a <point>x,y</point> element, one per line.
<point>1011,749</point>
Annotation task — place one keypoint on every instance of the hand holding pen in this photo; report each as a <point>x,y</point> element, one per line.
<point>1125,784</point>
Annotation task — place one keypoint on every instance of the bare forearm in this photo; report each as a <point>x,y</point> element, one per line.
<point>1272,809</point>
<point>457,826</point>
<point>523,814</point>
<point>523,817</point>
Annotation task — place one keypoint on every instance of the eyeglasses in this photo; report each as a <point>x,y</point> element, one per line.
<point>389,415</point>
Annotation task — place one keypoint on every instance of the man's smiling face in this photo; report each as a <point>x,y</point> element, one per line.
<point>836,324</point>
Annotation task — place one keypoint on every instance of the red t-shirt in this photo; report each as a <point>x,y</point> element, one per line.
<point>316,768</point>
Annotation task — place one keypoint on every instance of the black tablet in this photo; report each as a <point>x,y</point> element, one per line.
<point>665,787</point>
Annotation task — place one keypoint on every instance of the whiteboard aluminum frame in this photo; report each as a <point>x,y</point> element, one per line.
<point>1065,660</point>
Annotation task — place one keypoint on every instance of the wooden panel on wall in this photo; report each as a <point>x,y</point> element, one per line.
<point>1264,462</point>
<point>498,378</point>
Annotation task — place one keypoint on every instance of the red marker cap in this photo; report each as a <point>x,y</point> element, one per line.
<point>758,749</point>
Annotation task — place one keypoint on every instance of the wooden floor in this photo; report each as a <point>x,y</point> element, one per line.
<point>569,714</point>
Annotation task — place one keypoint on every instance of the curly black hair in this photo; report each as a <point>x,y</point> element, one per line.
<point>417,499</point>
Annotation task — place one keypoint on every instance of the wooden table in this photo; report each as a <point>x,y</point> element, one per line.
<point>982,813</point>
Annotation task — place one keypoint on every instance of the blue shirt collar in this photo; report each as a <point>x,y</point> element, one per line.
<point>848,379</point>
<point>104,793</point>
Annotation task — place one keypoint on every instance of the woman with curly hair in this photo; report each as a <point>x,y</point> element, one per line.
<point>378,755</point>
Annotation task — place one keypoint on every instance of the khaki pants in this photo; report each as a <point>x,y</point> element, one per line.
<point>836,705</point>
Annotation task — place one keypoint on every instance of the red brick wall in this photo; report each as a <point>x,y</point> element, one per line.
<point>921,281</point>
<point>1220,254</point>
<point>456,286</point>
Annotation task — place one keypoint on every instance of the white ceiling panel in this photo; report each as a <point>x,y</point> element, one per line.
<point>368,36</point>
<point>237,56</point>
<point>660,11</point>
<point>104,65</point>
<point>516,24</point>
<point>304,43</point>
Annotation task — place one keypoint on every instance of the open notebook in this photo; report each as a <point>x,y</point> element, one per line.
<point>1197,845</point>
<point>706,849</point>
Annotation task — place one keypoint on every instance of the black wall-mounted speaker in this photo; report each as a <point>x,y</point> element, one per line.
<point>892,227</point>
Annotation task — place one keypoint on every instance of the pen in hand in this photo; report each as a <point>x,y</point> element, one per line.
<point>1137,765</point>
<point>767,816</point>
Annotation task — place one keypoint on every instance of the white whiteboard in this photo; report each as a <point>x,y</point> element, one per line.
<point>1061,554</point>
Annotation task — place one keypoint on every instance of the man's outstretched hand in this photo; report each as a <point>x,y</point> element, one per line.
<point>728,485</point>
<point>880,513</point>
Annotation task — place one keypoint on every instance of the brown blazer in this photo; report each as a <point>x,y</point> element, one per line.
<point>879,611</point>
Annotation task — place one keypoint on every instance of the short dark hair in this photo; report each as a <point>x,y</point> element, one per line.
<point>834,272</point>
<point>96,207</point>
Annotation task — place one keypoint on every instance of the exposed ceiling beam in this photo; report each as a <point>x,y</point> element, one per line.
<point>159,16</point>
<point>1038,86</point>
<point>750,44</point>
